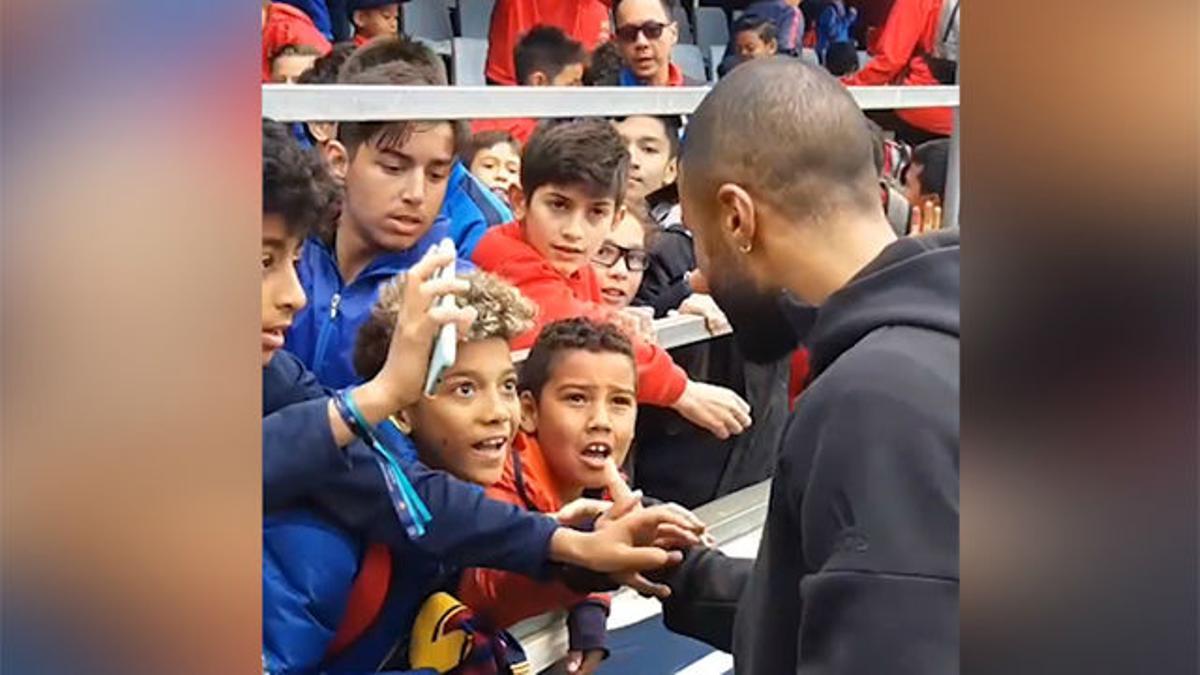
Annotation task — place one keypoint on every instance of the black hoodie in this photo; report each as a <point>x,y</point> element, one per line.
<point>857,571</point>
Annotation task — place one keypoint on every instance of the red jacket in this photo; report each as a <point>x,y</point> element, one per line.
<point>505,598</point>
<point>587,21</point>
<point>908,32</point>
<point>520,127</point>
<point>504,252</point>
<point>286,25</point>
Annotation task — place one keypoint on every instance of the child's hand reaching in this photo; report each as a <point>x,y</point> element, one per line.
<point>581,512</point>
<point>701,304</point>
<point>717,409</point>
<point>926,219</point>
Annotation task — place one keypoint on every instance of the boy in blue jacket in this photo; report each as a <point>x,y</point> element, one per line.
<point>323,490</point>
<point>395,176</point>
<point>469,205</point>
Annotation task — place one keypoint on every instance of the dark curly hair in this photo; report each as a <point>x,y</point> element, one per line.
<point>567,335</point>
<point>296,184</point>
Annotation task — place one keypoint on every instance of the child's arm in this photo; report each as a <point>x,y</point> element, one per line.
<point>587,634</point>
<point>303,432</point>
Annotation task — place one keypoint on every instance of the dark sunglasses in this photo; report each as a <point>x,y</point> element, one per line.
<point>652,29</point>
<point>636,259</point>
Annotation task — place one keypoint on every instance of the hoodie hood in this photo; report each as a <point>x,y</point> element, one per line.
<point>913,282</point>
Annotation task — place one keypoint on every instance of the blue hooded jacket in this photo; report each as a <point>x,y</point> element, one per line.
<point>472,208</point>
<point>322,502</point>
<point>323,333</point>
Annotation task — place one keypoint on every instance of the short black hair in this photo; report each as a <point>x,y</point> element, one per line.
<point>387,50</point>
<point>568,335</point>
<point>296,184</point>
<point>548,50</point>
<point>765,28</point>
<point>587,152</point>
<point>486,139</point>
<point>841,58</point>
<point>934,157</point>
<point>800,145</point>
<point>325,69</point>
<point>604,66</point>
<point>671,125</point>
<point>394,133</point>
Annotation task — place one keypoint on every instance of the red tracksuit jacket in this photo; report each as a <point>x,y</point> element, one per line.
<point>909,30</point>
<point>287,25</point>
<point>587,21</point>
<point>504,252</point>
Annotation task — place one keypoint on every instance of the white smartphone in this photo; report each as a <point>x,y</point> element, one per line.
<point>445,345</point>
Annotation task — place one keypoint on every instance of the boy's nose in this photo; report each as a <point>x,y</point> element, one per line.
<point>291,296</point>
<point>413,190</point>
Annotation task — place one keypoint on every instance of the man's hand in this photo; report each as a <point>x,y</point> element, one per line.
<point>402,377</point>
<point>717,409</point>
<point>584,663</point>
<point>701,304</point>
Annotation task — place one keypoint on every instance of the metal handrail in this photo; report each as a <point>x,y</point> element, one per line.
<point>309,102</point>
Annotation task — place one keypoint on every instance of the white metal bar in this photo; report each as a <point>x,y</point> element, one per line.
<point>308,102</point>
<point>672,331</point>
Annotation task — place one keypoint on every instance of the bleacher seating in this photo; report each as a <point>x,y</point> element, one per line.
<point>863,58</point>
<point>684,24</point>
<point>690,60</point>
<point>712,28</point>
<point>468,61</point>
<point>809,56</point>
<point>428,21</point>
<point>716,55</point>
<point>474,18</point>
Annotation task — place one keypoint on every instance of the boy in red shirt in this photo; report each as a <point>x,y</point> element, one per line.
<point>545,57</point>
<point>374,18</point>
<point>586,21</point>
<point>578,394</point>
<point>285,25</point>
<point>573,179</point>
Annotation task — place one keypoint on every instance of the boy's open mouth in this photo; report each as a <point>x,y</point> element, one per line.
<point>494,445</point>
<point>596,455</point>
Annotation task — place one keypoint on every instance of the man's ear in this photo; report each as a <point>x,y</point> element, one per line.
<point>673,34</point>
<point>672,171</point>
<point>337,158</point>
<point>516,198</point>
<point>737,217</point>
<point>539,79</point>
<point>528,413</point>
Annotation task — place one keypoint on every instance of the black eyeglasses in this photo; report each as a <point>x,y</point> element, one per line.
<point>652,29</point>
<point>636,259</point>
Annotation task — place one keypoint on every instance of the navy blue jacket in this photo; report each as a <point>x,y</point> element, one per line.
<point>324,332</point>
<point>316,495</point>
<point>472,208</point>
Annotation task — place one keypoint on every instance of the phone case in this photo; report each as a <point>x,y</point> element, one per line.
<point>445,344</point>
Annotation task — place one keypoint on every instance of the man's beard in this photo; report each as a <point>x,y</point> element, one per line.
<point>761,326</point>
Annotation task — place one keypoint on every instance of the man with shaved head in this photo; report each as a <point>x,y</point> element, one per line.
<point>857,571</point>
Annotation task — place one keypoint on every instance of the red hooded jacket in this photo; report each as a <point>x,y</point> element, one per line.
<point>587,21</point>
<point>507,597</point>
<point>503,251</point>
<point>908,32</point>
<point>287,25</point>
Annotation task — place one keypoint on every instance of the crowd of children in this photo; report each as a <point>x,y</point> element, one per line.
<point>386,504</point>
